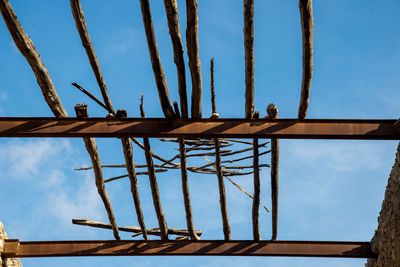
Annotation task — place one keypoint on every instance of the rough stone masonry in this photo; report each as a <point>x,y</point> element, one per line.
<point>11,262</point>
<point>386,241</point>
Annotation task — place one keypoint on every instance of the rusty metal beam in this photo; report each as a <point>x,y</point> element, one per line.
<point>13,248</point>
<point>199,128</point>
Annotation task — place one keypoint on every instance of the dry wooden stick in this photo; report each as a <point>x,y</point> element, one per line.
<point>80,23</point>
<point>192,44</point>
<point>307,27</point>
<point>28,50</point>
<point>91,147</point>
<point>256,199</point>
<point>248,30</point>
<point>222,196</point>
<point>133,229</point>
<point>91,96</point>
<point>225,154</point>
<point>273,114</point>
<point>185,190</point>
<point>153,183</point>
<point>171,8</point>
<point>130,167</point>
<point>214,114</point>
<point>238,186</point>
<point>159,75</point>
<point>127,175</point>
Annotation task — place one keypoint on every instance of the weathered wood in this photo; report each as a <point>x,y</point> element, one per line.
<point>80,23</point>
<point>171,8</point>
<point>159,75</point>
<point>28,50</point>
<point>91,147</point>
<point>256,199</point>
<point>91,96</point>
<point>248,30</point>
<point>192,44</point>
<point>176,110</point>
<point>222,195</point>
<point>134,229</point>
<point>127,175</point>
<point>153,183</point>
<point>273,114</point>
<point>214,114</point>
<point>130,167</point>
<point>307,28</point>
<point>237,186</point>
<point>185,190</point>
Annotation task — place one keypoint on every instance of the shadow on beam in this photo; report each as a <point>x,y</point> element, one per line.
<point>15,249</point>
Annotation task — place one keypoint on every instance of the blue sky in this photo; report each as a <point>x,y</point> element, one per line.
<point>329,190</point>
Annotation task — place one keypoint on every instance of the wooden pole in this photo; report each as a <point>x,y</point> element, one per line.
<point>192,44</point>
<point>80,23</point>
<point>153,183</point>
<point>248,31</point>
<point>91,147</point>
<point>130,167</point>
<point>273,114</point>
<point>171,8</point>
<point>133,229</point>
<point>185,190</point>
<point>222,196</point>
<point>159,75</point>
<point>256,198</point>
<point>307,28</point>
<point>212,88</point>
<point>28,50</point>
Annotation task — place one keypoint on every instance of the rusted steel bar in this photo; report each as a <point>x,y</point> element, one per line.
<point>28,50</point>
<point>159,75</point>
<point>200,128</point>
<point>77,13</point>
<point>256,195</point>
<point>248,30</point>
<point>185,190</point>
<point>222,195</point>
<point>307,28</point>
<point>192,44</point>
<point>171,8</point>
<point>273,114</point>
<point>91,147</point>
<point>153,184</point>
<point>14,248</point>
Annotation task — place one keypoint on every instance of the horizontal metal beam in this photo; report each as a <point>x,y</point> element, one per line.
<point>15,249</point>
<point>199,128</point>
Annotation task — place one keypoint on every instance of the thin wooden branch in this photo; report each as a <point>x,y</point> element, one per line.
<point>192,44</point>
<point>95,99</point>
<point>134,229</point>
<point>171,8</point>
<point>222,196</point>
<point>28,50</point>
<point>248,30</point>
<point>159,75</point>
<point>242,150</point>
<point>238,186</point>
<point>80,23</point>
<point>127,175</point>
<point>185,190</point>
<point>153,182</point>
<point>130,167</point>
<point>212,88</point>
<point>256,199</point>
<point>273,114</point>
<point>307,28</point>
<point>91,147</point>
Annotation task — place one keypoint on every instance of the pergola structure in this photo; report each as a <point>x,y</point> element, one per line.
<point>191,132</point>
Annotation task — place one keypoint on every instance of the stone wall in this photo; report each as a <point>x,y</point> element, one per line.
<point>6,262</point>
<point>386,241</point>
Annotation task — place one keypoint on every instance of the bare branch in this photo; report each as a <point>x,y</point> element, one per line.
<point>248,30</point>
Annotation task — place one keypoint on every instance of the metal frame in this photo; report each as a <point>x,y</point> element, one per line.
<point>13,248</point>
<point>200,128</point>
